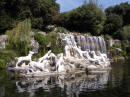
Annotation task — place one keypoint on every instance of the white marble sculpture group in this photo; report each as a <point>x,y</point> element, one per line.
<point>79,52</point>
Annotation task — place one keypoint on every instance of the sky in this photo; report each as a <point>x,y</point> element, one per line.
<point>66,5</point>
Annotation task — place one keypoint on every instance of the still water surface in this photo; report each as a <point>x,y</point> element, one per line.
<point>113,83</point>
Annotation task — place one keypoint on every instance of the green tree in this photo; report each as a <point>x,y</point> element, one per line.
<point>41,12</point>
<point>126,32</point>
<point>113,23</point>
<point>87,18</point>
<point>44,40</point>
<point>19,37</point>
<point>123,10</point>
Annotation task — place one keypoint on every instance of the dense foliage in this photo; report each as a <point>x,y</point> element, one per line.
<point>60,30</point>
<point>49,39</point>
<point>19,38</point>
<point>118,21</point>
<point>41,12</point>
<point>87,18</point>
<point>6,56</point>
<point>41,39</point>
<point>113,24</point>
<point>122,10</point>
<point>126,32</point>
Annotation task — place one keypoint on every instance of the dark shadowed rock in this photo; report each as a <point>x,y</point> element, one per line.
<point>118,51</point>
<point>10,64</point>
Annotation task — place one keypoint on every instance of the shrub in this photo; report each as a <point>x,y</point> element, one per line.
<point>128,52</point>
<point>41,39</point>
<point>107,37</point>
<point>56,46</point>
<point>45,40</point>
<point>6,56</point>
<point>50,28</point>
<point>61,30</point>
<point>117,45</point>
<point>126,32</point>
<point>112,24</point>
<point>19,37</point>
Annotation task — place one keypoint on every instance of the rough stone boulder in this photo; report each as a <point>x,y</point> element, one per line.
<point>3,41</point>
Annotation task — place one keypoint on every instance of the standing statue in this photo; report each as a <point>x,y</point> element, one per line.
<point>24,58</point>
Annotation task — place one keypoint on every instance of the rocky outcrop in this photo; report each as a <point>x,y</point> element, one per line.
<point>3,41</point>
<point>111,42</point>
<point>35,46</point>
<point>34,43</point>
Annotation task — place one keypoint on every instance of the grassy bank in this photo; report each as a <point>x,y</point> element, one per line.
<point>6,56</point>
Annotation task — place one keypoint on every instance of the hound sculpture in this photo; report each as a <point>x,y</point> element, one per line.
<point>24,58</point>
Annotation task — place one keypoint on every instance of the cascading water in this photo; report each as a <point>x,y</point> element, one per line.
<point>91,43</point>
<point>80,51</point>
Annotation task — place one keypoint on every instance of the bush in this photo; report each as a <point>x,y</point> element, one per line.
<point>6,56</point>
<point>41,39</point>
<point>49,28</point>
<point>19,37</point>
<point>128,52</point>
<point>61,30</point>
<point>107,37</point>
<point>36,30</point>
<point>45,40</point>
<point>126,32</point>
<point>56,46</point>
<point>112,24</point>
<point>117,45</point>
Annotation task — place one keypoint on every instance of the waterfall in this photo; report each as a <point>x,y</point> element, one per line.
<point>86,43</point>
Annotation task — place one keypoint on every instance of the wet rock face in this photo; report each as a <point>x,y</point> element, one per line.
<point>3,41</point>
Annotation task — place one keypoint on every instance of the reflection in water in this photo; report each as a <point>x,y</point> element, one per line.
<point>72,84</point>
<point>114,83</point>
<point>2,91</point>
<point>117,75</point>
